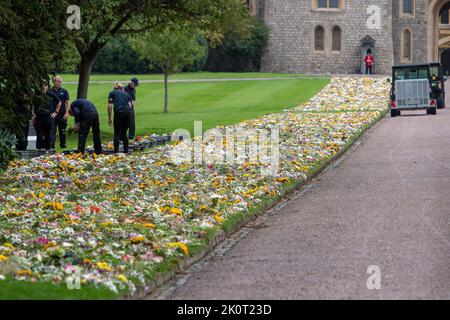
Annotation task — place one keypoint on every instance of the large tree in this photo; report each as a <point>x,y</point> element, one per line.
<point>29,48</point>
<point>101,20</point>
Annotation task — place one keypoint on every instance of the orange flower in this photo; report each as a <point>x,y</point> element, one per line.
<point>179,245</point>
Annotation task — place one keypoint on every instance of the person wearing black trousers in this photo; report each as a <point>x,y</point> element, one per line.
<point>131,90</point>
<point>60,123</point>
<point>43,118</point>
<point>120,101</point>
<point>86,117</point>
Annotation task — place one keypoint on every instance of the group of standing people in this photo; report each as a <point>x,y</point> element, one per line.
<point>51,117</point>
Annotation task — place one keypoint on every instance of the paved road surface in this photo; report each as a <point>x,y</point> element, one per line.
<point>387,203</point>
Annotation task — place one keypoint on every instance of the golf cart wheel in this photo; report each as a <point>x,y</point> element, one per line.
<point>431,111</point>
<point>395,113</point>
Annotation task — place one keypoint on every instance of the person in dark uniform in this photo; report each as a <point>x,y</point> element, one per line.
<point>86,117</point>
<point>44,115</point>
<point>60,123</point>
<point>131,90</point>
<point>120,101</point>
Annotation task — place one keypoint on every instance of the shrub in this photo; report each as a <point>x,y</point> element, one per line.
<point>7,141</point>
<point>238,54</point>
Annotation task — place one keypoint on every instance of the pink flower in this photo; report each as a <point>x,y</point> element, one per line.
<point>149,256</point>
<point>127,258</point>
<point>73,216</point>
<point>42,241</point>
<point>68,268</point>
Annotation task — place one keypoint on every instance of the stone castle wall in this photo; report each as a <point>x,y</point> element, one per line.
<point>418,26</point>
<point>291,44</point>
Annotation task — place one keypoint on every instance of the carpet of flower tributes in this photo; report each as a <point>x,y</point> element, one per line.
<point>117,217</point>
<point>351,93</point>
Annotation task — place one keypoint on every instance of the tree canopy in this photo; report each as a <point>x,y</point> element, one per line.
<point>102,20</point>
<point>171,50</point>
<point>29,48</point>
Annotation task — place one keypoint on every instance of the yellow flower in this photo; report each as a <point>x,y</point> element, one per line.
<point>282,180</point>
<point>51,244</point>
<point>103,266</point>
<point>149,225</point>
<point>122,278</point>
<point>8,245</point>
<point>180,245</point>
<point>57,206</point>
<point>3,258</point>
<point>24,273</point>
<point>176,211</point>
<point>218,218</point>
<point>137,239</point>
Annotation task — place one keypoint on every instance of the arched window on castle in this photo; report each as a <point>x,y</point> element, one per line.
<point>336,39</point>
<point>406,52</point>
<point>319,38</point>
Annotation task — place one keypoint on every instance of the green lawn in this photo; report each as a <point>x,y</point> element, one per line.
<point>181,76</point>
<point>16,290</point>
<point>215,103</point>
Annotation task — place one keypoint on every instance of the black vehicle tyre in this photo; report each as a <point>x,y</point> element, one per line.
<point>433,111</point>
<point>395,113</point>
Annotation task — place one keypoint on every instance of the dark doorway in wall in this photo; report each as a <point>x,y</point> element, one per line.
<point>445,61</point>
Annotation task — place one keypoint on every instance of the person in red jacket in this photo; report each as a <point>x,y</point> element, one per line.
<point>370,61</point>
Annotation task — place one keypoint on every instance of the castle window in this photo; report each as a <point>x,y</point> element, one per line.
<point>257,8</point>
<point>407,7</point>
<point>406,52</point>
<point>260,13</point>
<point>319,38</point>
<point>328,4</point>
<point>336,39</point>
<point>445,16</point>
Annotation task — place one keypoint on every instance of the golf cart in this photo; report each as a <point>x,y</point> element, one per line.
<point>412,89</point>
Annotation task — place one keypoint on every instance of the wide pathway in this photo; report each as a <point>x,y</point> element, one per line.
<point>385,204</point>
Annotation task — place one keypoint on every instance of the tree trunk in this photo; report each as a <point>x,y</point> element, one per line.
<point>85,74</point>
<point>166,90</point>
